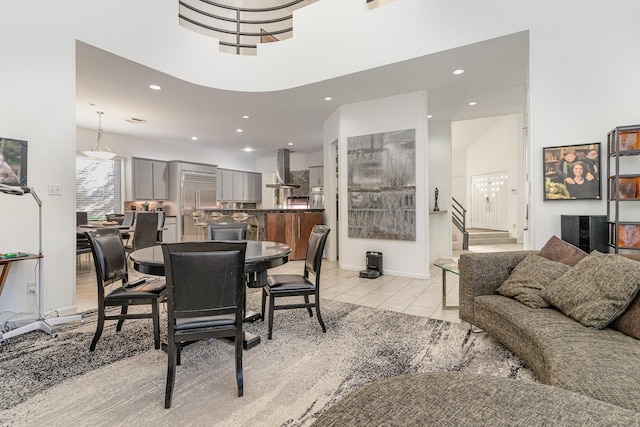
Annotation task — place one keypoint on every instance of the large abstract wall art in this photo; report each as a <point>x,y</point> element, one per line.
<point>382,185</point>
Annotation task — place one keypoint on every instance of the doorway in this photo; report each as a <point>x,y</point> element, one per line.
<point>489,204</point>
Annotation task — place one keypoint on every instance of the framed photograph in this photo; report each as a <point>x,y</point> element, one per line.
<point>572,172</point>
<point>13,162</point>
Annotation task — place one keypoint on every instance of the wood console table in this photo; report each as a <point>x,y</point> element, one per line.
<point>6,265</point>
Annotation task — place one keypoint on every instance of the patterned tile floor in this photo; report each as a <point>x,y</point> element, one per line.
<point>420,297</point>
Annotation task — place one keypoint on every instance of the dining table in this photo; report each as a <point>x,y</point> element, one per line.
<point>260,256</point>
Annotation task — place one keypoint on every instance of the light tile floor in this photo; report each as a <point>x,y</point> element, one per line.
<point>419,297</point>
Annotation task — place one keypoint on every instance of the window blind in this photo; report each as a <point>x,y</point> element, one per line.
<point>98,187</point>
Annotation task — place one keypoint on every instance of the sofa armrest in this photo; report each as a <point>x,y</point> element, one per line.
<point>482,274</point>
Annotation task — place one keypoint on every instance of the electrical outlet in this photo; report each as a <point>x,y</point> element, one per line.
<point>55,189</point>
<point>31,287</point>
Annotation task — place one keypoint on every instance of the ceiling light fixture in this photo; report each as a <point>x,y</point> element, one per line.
<point>97,152</point>
<point>458,71</point>
<point>194,138</point>
<point>239,130</point>
<point>472,103</point>
<point>429,116</point>
<point>328,98</point>
<point>246,117</point>
<point>248,149</point>
<point>155,87</point>
<point>290,143</point>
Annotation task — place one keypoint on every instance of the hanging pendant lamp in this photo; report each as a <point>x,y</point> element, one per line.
<point>98,152</point>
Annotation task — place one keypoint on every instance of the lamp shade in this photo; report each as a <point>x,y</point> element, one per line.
<point>97,151</point>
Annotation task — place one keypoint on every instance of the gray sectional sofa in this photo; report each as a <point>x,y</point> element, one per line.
<point>603,364</point>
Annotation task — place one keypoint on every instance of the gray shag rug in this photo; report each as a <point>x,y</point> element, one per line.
<point>288,381</point>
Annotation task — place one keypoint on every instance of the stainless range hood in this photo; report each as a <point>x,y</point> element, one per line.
<point>283,172</point>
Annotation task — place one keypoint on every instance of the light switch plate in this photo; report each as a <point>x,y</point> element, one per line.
<point>55,189</point>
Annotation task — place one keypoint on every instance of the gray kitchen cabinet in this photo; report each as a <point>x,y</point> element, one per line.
<point>150,179</point>
<point>316,176</point>
<point>239,186</point>
<point>225,185</point>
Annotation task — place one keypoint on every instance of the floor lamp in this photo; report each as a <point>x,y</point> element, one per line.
<point>41,324</point>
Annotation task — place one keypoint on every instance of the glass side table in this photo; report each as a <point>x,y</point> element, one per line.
<point>451,268</point>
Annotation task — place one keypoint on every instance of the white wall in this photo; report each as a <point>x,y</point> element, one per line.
<point>403,258</point>
<point>439,155</point>
<point>37,83</point>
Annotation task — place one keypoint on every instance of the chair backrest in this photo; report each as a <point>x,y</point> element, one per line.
<point>82,218</point>
<point>146,231</point>
<point>108,255</point>
<point>129,217</point>
<point>115,218</point>
<point>315,250</point>
<point>204,279</point>
<point>160,219</point>
<point>236,231</point>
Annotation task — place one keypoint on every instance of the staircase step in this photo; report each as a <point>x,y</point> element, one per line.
<point>491,235</point>
<point>492,241</point>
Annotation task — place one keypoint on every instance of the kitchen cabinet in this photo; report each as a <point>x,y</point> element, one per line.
<point>292,229</point>
<point>170,233</point>
<point>150,179</point>
<point>239,186</point>
<point>316,176</point>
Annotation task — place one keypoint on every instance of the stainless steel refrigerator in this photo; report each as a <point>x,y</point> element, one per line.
<point>197,194</point>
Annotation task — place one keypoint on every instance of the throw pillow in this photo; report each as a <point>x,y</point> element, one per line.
<point>529,278</point>
<point>597,290</point>
<point>629,322</point>
<point>558,250</point>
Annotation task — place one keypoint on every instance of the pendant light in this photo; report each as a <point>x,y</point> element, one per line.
<point>97,152</point>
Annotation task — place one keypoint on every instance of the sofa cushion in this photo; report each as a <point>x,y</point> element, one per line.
<point>597,290</point>
<point>629,322</point>
<point>558,250</point>
<point>529,278</point>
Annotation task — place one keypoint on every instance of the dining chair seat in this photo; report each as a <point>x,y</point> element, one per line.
<point>205,322</point>
<point>140,291</point>
<point>288,283</point>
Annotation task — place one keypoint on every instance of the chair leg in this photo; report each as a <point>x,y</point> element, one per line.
<point>155,312</point>
<point>264,301</point>
<point>324,328</point>
<point>239,377</point>
<point>306,301</point>
<point>99,329</point>
<point>271,302</point>
<point>179,351</point>
<point>171,373</point>
<point>125,309</point>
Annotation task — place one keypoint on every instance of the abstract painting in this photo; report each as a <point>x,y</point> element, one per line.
<point>382,185</point>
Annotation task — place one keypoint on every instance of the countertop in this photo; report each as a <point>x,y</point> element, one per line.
<point>264,210</point>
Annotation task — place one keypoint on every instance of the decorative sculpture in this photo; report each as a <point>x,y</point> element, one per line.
<point>435,206</point>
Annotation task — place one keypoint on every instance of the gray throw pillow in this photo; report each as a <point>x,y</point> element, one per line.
<point>597,290</point>
<point>529,278</point>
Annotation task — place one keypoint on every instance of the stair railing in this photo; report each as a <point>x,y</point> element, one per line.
<point>459,219</point>
<point>231,26</point>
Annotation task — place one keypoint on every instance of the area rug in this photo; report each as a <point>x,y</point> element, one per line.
<point>289,381</point>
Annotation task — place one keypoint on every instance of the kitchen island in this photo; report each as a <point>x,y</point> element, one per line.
<point>288,226</point>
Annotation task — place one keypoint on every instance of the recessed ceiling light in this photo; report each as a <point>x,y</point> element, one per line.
<point>239,130</point>
<point>290,143</point>
<point>194,138</point>
<point>155,87</point>
<point>458,71</point>
<point>472,103</point>
<point>248,149</point>
<point>246,117</point>
<point>328,98</point>
<point>429,116</point>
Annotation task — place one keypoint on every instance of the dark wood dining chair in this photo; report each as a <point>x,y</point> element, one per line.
<point>205,295</point>
<point>227,231</point>
<point>145,233</point>
<point>114,288</point>
<point>292,285</point>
